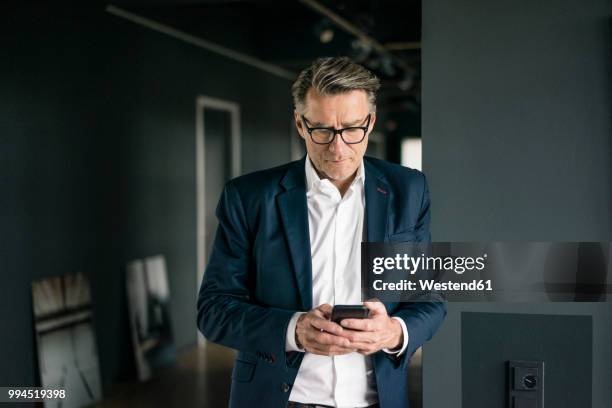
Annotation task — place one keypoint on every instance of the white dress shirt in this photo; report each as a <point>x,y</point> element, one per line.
<point>336,231</point>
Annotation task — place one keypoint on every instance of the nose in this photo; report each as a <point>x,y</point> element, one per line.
<point>337,145</point>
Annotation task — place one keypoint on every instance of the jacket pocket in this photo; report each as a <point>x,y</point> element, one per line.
<point>243,371</point>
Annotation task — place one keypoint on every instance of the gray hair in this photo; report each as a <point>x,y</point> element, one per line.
<point>332,76</point>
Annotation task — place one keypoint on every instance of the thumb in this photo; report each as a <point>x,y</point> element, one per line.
<point>326,309</point>
<point>376,307</point>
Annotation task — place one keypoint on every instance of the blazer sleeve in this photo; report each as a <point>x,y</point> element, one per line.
<point>422,319</point>
<point>225,312</point>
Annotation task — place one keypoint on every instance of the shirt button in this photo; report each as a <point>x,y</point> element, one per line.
<point>285,387</point>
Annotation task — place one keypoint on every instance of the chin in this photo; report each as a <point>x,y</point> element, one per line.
<point>339,175</point>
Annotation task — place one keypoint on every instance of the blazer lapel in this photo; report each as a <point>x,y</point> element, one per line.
<point>293,209</point>
<point>377,198</point>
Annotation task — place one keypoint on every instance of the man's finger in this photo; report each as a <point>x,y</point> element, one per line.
<point>330,339</point>
<point>369,347</point>
<point>359,324</point>
<point>326,325</point>
<point>321,339</point>
<point>331,351</point>
<point>359,336</point>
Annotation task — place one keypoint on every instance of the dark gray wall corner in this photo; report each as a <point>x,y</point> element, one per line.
<point>517,145</point>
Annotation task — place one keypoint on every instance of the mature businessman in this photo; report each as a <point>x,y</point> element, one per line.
<point>288,248</point>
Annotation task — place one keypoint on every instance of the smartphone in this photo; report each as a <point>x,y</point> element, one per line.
<point>341,312</point>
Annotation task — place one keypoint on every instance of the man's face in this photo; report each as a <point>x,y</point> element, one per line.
<point>337,160</point>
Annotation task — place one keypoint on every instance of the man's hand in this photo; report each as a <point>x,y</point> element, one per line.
<point>377,332</point>
<point>318,335</point>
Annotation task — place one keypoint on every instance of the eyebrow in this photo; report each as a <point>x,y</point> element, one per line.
<point>344,124</point>
<point>354,122</point>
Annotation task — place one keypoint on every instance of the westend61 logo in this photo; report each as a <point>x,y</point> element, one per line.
<point>412,264</point>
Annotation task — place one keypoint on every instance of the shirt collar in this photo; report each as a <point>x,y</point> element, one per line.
<point>313,180</point>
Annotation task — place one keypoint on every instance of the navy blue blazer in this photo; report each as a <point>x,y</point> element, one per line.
<point>259,274</point>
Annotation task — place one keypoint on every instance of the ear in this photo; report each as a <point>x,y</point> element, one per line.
<point>298,124</point>
<point>372,121</point>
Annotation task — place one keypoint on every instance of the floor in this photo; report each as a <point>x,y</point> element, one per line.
<point>201,378</point>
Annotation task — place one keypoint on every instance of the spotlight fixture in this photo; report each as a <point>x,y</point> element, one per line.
<point>324,31</point>
<point>326,35</point>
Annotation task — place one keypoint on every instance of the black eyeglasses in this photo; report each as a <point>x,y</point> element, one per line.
<point>326,135</point>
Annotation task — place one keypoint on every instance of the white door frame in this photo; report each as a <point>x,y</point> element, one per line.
<point>202,103</point>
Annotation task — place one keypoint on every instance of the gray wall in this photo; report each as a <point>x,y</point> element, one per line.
<point>97,164</point>
<point>517,122</point>
<point>517,145</point>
